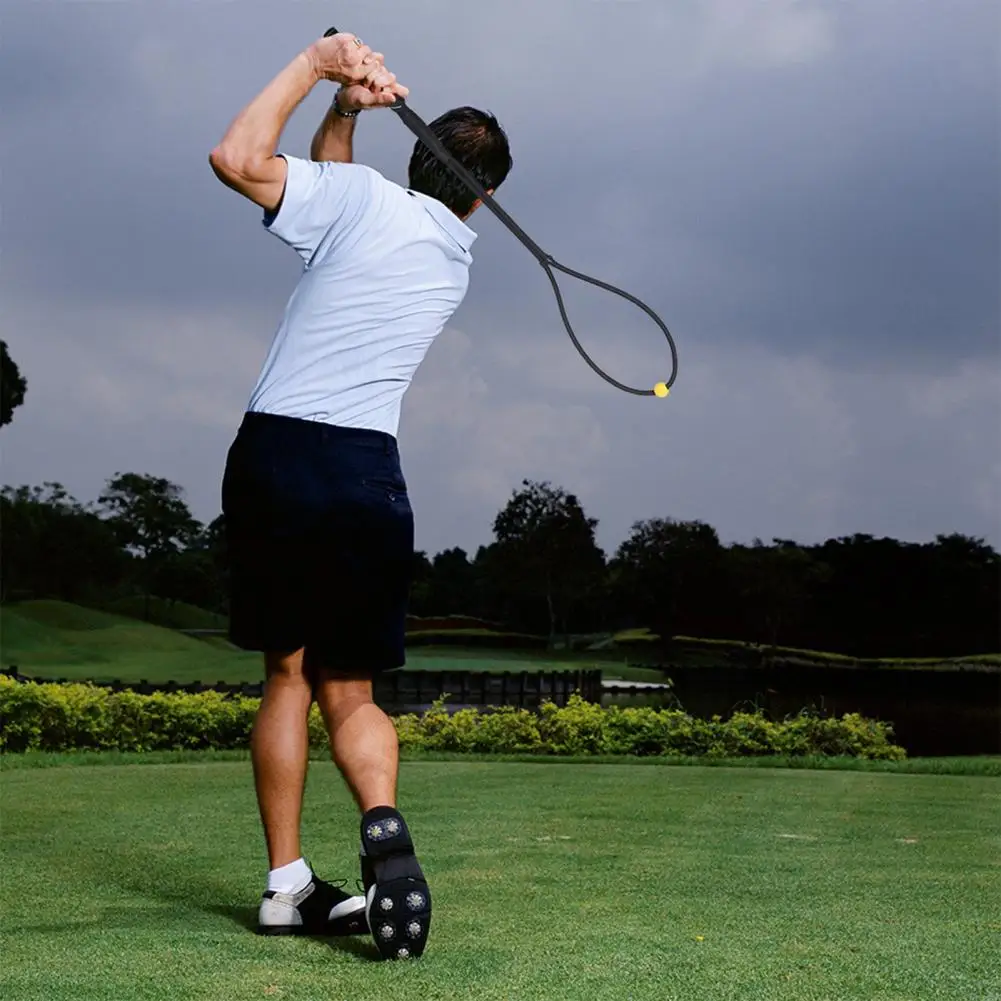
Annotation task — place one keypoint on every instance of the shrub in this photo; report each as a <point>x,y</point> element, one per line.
<point>510,731</point>
<point>59,717</point>
<point>63,717</point>
<point>576,728</point>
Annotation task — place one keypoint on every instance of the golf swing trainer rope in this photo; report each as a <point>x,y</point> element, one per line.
<point>417,125</point>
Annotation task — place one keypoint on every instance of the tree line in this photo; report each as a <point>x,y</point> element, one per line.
<point>544,573</point>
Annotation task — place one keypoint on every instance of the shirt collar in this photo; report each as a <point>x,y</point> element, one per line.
<point>447,219</point>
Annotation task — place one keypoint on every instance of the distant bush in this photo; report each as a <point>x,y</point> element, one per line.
<point>583,728</point>
<point>53,717</point>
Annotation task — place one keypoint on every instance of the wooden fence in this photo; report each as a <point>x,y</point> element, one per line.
<point>408,691</point>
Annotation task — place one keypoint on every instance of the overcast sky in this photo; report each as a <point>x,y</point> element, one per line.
<point>807,193</point>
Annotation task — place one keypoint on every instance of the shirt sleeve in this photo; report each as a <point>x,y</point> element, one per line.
<point>317,197</point>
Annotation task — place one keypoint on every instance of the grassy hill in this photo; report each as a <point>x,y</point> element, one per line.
<point>172,614</point>
<point>54,639</point>
<point>57,639</point>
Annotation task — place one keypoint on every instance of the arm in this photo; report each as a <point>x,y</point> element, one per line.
<point>334,139</point>
<point>245,160</point>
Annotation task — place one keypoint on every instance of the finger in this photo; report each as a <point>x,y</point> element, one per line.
<point>355,67</point>
<point>375,57</point>
<point>359,56</point>
<point>379,76</point>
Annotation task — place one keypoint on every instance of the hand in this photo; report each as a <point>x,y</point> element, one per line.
<point>381,92</point>
<point>344,59</point>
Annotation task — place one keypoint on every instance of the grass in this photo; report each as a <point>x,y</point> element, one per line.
<point>172,614</point>
<point>54,639</point>
<point>983,766</point>
<point>597,882</point>
<point>57,639</point>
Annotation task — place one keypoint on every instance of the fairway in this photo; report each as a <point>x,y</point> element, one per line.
<point>551,882</point>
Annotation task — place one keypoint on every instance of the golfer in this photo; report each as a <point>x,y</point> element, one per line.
<point>319,525</point>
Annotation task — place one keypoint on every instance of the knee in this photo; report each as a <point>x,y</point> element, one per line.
<point>284,668</point>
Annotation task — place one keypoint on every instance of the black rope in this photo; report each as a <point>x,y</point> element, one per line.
<point>420,128</point>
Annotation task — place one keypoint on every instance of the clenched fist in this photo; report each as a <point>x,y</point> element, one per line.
<point>382,91</point>
<point>346,60</point>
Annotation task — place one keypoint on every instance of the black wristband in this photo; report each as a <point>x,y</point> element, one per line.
<point>342,113</point>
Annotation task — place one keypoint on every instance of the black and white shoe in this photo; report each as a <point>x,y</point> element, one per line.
<point>319,909</point>
<point>397,900</point>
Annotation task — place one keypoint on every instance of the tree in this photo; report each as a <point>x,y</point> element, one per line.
<point>774,583</point>
<point>198,573</point>
<point>545,548</point>
<point>963,595</point>
<point>52,546</point>
<point>12,386</point>
<point>452,583</point>
<point>150,519</point>
<point>420,583</point>
<point>670,572</point>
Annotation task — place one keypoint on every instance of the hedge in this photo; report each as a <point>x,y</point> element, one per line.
<point>64,717</point>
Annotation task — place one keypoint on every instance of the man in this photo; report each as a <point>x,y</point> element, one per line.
<point>319,524</point>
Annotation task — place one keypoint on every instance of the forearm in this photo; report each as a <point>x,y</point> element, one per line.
<point>254,134</point>
<point>334,139</point>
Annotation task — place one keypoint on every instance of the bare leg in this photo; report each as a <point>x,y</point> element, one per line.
<point>280,753</point>
<point>362,738</point>
<point>366,750</point>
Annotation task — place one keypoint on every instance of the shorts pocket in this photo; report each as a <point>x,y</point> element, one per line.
<point>391,488</point>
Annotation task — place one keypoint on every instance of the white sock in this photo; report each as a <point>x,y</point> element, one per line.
<point>290,878</point>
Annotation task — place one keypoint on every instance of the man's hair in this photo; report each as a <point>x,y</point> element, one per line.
<point>477,141</point>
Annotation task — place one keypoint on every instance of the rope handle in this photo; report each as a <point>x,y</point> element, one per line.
<point>422,130</point>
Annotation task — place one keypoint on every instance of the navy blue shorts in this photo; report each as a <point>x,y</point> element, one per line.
<point>320,536</point>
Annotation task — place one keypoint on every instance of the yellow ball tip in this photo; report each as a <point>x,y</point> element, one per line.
<point>661,389</point>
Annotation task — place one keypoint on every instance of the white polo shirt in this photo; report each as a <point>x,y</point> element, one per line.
<point>384,270</point>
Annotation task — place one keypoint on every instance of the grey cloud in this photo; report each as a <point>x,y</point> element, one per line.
<point>808,194</point>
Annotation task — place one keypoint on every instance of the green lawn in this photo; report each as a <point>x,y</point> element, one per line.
<point>55,639</point>
<point>551,882</point>
<point>173,614</point>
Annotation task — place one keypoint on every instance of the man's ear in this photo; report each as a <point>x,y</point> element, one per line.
<point>479,201</point>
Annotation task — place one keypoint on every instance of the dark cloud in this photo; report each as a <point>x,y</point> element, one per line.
<point>808,194</point>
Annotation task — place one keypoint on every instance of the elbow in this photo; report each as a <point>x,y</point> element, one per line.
<point>232,164</point>
<point>225,163</point>
<point>238,167</point>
